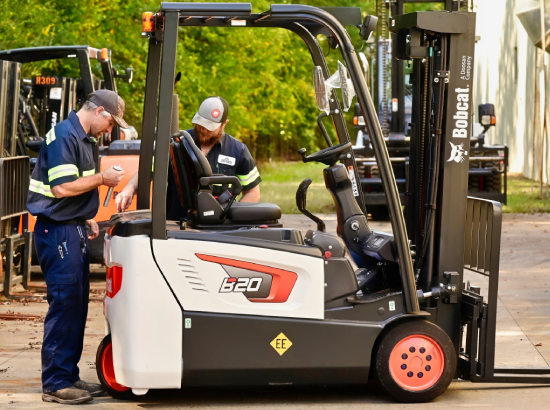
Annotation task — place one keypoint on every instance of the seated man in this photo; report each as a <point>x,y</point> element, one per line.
<point>226,155</point>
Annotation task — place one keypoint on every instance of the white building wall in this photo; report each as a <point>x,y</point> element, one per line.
<point>504,76</point>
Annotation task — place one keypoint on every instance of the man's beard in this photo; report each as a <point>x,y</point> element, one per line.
<point>208,140</point>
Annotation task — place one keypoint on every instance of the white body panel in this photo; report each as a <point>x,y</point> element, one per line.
<point>196,283</point>
<point>144,318</point>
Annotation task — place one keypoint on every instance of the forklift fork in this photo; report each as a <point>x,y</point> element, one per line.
<point>479,317</point>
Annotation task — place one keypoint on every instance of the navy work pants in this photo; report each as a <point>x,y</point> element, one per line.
<point>64,257</point>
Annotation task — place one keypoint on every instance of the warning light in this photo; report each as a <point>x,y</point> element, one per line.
<point>147,24</point>
<point>104,55</point>
<point>359,120</point>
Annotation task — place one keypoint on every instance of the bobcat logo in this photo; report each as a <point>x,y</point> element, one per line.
<point>458,153</point>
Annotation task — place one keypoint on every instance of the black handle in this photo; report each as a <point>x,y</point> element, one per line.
<point>236,188</point>
<point>323,129</point>
<point>301,197</point>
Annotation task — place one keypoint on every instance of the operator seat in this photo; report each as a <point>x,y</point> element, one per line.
<point>190,165</point>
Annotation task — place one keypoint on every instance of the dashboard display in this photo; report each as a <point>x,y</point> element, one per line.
<point>45,81</point>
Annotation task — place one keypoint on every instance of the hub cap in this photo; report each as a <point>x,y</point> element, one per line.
<point>417,362</point>
<point>109,370</point>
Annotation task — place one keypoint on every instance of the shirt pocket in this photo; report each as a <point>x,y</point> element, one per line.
<point>224,169</point>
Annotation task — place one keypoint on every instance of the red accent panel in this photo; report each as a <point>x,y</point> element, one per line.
<point>281,285</point>
<point>113,281</point>
<point>232,280</point>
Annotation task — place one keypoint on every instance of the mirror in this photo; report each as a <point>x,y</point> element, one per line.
<point>365,64</point>
<point>127,76</point>
<point>368,27</point>
<point>348,92</point>
<point>321,92</point>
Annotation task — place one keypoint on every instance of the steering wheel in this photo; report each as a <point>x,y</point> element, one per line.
<point>328,156</point>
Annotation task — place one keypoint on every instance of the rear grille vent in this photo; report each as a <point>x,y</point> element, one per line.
<point>14,186</point>
<point>192,276</point>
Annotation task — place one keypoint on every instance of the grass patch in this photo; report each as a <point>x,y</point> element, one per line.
<point>521,199</point>
<point>280,180</point>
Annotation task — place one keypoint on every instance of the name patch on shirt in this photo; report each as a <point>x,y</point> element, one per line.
<point>222,159</point>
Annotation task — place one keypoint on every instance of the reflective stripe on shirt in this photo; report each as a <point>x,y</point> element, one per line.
<point>62,171</point>
<point>40,188</point>
<point>250,177</point>
<point>50,137</point>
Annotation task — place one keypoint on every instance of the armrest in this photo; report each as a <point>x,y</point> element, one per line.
<point>235,182</point>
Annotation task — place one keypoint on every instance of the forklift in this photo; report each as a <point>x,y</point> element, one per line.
<point>45,100</point>
<point>236,299</point>
<point>487,176</point>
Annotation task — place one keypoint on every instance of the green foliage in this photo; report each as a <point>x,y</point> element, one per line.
<point>264,74</point>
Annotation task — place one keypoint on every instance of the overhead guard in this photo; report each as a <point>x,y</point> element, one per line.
<point>209,9</point>
<point>439,22</point>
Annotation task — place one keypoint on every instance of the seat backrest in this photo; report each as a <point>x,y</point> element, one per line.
<point>189,165</point>
<point>197,159</point>
<point>186,183</point>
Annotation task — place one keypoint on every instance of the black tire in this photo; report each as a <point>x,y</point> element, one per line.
<point>104,379</point>
<point>440,375</point>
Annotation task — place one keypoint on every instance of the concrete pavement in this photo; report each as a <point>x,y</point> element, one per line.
<point>523,339</point>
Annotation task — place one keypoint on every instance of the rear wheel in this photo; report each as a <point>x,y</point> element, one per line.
<point>415,361</point>
<point>106,371</point>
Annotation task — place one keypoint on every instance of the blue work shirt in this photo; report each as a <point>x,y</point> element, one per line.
<point>66,155</point>
<point>227,157</point>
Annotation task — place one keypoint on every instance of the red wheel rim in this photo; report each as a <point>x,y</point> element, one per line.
<point>417,362</point>
<point>109,370</point>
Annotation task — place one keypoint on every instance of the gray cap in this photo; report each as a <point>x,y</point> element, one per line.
<point>212,113</point>
<point>112,103</point>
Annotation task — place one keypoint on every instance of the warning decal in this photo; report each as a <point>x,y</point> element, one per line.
<point>281,343</point>
<point>353,181</point>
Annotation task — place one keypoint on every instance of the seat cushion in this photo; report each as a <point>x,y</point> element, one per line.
<point>253,212</point>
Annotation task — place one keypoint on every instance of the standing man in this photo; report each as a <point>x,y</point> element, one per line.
<point>225,154</point>
<point>64,198</point>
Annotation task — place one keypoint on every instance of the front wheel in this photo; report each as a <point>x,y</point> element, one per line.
<point>106,371</point>
<point>415,361</point>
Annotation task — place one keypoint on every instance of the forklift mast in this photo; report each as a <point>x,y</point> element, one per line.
<point>441,47</point>
<point>395,8</point>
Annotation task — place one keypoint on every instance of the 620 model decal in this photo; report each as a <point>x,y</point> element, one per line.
<point>258,283</point>
<point>241,285</point>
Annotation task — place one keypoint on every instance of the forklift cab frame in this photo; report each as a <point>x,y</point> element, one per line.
<point>306,22</point>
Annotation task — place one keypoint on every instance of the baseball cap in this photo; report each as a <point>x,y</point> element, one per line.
<point>112,103</point>
<point>212,113</point>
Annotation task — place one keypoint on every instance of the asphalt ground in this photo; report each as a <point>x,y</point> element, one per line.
<point>523,339</point>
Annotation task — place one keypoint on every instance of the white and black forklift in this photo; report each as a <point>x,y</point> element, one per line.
<point>234,298</point>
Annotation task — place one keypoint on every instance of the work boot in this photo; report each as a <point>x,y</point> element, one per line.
<point>94,389</point>
<point>69,395</point>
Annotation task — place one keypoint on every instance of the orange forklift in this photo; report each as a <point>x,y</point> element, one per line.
<point>34,106</point>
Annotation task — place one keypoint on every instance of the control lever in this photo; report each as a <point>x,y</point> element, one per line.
<point>301,195</point>
<point>110,191</point>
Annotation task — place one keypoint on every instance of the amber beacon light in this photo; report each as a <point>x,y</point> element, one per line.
<point>147,24</point>
<point>104,54</point>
